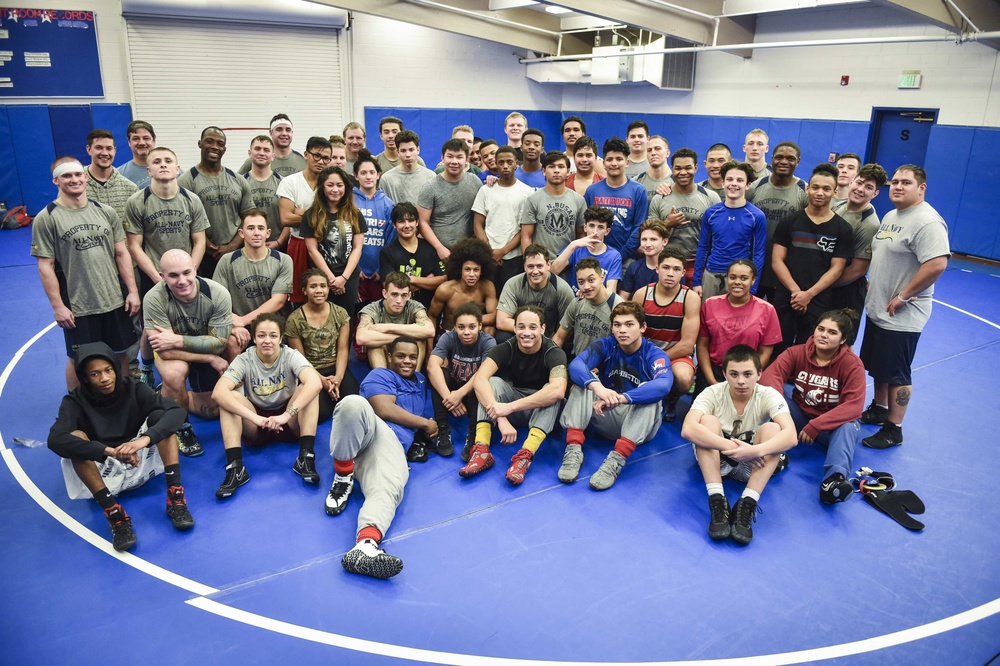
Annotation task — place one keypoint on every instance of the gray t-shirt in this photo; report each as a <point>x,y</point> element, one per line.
<point>905,240</point>
<point>555,218</point>
<point>778,202</point>
<point>588,322</point>
<point>283,166</point>
<point>267,387</point>
<point>164,224</point>
<point>379,315</point>
<point>635,169</point>
<point>651,183</point>
<point>403,186</point>
<point>451,207</point>
<point>386,164</point>
<point>554,298</point>
<point>225,196</point>
<point>265,197</point>
<point>693,205</point>
<point>764,405</point>
<point>252,283</point>
<point>865,224</point>
<point>137,174</point>
<point>82,243</point>
<point>211,308</point>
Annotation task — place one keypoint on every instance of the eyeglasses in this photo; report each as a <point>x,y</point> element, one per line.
<point>320,157</point>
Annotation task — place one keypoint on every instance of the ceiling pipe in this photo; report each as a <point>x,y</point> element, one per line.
<point>962,14</point>
<point>965,37</point>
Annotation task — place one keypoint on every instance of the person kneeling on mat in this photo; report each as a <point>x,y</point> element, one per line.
<point>101,423</point>
<point>622,401</point>
<point>367,439</point>
<point>279,402</point>
<point>731,419</point>
<point>828,396</point>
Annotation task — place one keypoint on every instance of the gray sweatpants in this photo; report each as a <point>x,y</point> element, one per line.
<point>638,423</point>
<point>543,418</point>
<point>712,284</point>
<point>380,467</point>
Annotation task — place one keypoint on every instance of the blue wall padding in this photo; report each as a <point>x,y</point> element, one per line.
<point>10,183</point>
<point>979,222</point>
<point>34,150</point>
<point>947,166</point>
<point>114,118</point>
<point>70,126</point>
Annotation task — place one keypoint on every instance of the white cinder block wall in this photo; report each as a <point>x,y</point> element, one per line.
<point>423,67</point>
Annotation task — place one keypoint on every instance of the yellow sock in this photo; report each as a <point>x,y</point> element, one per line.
<point>484,432</point>
<point>534,439</point>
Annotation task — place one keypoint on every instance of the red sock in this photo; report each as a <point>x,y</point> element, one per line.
<point>624,446</point>
<point>369,532</point>
<point>343,467</point>
<point>574,436</point>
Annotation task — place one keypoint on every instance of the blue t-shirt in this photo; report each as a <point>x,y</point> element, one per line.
<point>413,395</point>
<point>637,276</point>
<point>610,261</point>
<point>463,362</point>
<point>643,376</point>
<point>535,179</point>
<point>630,204</point>
<point>728,234</point>
<point>380,233</point>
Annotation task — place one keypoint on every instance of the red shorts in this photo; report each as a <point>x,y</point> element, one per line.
<point>684,360</point>
<point>300,264</point>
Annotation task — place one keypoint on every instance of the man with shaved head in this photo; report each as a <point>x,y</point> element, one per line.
<point>81,252</point>
<point>188,320</point>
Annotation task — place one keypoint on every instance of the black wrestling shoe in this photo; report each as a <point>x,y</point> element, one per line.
<point>367,559</point>
<point>417,453</point>
<point>835,488</point>
<point>744,513</point>
<point>177,509</point>
<point>305,466</point>
<point>336,501</point>
<point>236,476</point>
<point>122,535</point>
<point>718,524</point>
<point>443,445</point>
<point>874,415</point>
<point>888,436</point>
<point>187,442</point>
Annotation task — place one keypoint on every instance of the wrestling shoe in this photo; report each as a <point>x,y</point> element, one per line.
<point>467,449</point>
<point>874,414</point>
<point>783,461</point>
<point>305,466</point>
<point>177,509</point>
<point>744,513</point>
<point>571,463</point>
<point>146,377</point>
<point>236,476</point>
<point>417,453</point>
<point>122,535</point>
<point>480,460</point>
<point>336,501</point>
<point>670,409</point>
<point>609,470</point>
<point>443,445</point>
<point>889,435</point>
<point>835,489</point>
<point>367,559</point>
<point>519,465</point>
<point>187,442</point>
<point>718,523</point>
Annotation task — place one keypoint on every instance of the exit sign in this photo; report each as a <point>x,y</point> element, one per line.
<point>910,80</point>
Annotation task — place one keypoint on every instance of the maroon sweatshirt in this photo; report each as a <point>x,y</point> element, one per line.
<point>830,396</point>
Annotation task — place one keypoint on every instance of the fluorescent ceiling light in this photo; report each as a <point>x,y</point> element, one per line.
<point>553,9</point>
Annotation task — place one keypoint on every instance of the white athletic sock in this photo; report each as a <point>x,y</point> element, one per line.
<point>714,489</point>
<point>752,494</point>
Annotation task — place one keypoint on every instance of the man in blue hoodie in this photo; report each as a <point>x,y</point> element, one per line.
<point>102,421</point>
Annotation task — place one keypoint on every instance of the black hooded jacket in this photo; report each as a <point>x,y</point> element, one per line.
<point>109,420</point>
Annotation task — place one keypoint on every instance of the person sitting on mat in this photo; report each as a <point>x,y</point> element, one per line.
<point>828,396</point>
<point>731,419</point>
<point>278,402</point>
<point>521,383</point>
<point>102,422</point>
<point>622,401</point>
<point>367,438</point>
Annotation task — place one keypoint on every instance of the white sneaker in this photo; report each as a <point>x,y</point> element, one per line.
<point>336,501</point>
<point>367,559</point>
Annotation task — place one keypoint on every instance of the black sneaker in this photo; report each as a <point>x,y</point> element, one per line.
<point>417,453</point>
<point>236,476</point>
<point>718,525</point>
<point>670,409</point>
<point>187,442</point>
<point>888,436</point>
<point>443,445</point>
<point>177,509</point>
<point>368,559</point>
<point>835,489</point>
<point>874,414</point>
<point>783,461</point>
<point>744,513</point>
<point>467,450</point>
<point>305,466</point>
<point>336,501</point>
<point>122,535</point>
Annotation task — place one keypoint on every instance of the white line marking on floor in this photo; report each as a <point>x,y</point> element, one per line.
<point>429,656</point>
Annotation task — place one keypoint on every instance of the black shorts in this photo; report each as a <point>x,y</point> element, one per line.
<point>202,377</point>
<point>888,355</point>
<point>113,328</point>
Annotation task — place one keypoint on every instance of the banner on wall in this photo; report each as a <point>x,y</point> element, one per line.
<point>49,53</point>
